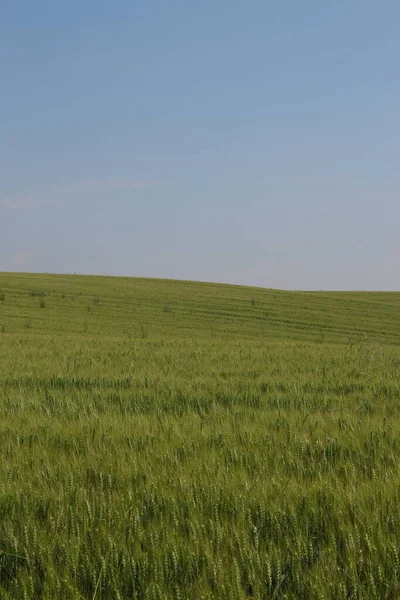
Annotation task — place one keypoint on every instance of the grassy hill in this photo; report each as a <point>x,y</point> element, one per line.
<point>118,307</point>
<point>165,439</point>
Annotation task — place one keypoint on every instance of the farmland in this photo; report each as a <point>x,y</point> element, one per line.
<point>179,440</point>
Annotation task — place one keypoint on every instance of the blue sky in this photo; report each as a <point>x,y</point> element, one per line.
<point>241,142</point>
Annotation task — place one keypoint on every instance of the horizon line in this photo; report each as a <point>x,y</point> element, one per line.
<point>200,281</point>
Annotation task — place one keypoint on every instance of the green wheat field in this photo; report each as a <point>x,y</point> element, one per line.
<point>179,440</point>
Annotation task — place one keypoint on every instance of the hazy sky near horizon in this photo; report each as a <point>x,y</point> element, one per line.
<point>242,142</point>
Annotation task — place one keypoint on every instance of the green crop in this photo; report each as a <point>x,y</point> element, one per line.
<point>178,440</point>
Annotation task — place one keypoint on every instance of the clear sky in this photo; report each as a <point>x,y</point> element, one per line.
<point>249,142</point>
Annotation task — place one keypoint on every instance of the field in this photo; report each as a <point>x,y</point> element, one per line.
<point>178,440</point>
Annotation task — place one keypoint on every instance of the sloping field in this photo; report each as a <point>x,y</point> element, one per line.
<point>121,307</point>
<point>164,439</point>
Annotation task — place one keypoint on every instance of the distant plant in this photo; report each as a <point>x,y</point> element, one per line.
<point>28,324</point>
<point>396,363</point>
<point>167,308</point>
<point>38,293</point>
<point>3,329</point>
<point>96,300</point>
<point>42,304</point>
<point>2,297</point>
<point>143,332</point>
<point>252,301</point>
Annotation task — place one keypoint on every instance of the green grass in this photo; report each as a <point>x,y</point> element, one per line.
<point>166,440</point>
